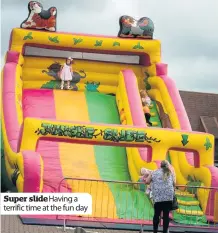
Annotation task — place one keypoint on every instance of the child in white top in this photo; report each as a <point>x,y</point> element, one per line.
<point>66,73</point>
<point>146,100</point>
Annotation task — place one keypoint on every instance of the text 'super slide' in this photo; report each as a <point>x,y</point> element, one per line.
<point>46,203</point>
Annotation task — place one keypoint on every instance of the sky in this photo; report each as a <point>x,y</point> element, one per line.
<point>188,31</point>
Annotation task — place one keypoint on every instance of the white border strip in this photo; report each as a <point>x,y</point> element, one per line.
<point>42,52</point>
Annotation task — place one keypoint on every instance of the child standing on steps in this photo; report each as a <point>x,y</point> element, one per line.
<point>146,102</point>
<point>66,73</point>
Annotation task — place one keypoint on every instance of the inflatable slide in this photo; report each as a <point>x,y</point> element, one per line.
<point>95,128</point>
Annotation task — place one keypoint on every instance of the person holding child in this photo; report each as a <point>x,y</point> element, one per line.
<point>162,183</point>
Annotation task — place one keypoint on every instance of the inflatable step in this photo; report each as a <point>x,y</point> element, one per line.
<point>190,212</point>
<point>153,114</point>
<point>154,123</point>
<point>188,203</point>
<point>184,193</point>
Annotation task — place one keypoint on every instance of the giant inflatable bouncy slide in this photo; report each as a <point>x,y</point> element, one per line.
<point>72,107</point>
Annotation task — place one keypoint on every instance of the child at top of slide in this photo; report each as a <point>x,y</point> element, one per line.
<point>66,72</point>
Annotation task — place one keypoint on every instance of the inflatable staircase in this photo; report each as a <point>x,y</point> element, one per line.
<point>189,207</point>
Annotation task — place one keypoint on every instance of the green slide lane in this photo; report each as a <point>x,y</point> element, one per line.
<point>112,163</point>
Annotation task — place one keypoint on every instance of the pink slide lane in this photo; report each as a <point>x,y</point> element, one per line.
<point>40,104</point>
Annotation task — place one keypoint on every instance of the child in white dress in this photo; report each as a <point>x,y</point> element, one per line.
<point>66,73</point>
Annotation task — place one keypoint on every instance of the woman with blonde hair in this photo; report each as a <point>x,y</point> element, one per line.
<point>162,185</point>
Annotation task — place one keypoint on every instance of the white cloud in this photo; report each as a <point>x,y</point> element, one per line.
<point>187,30</point>
<point>195,74</point>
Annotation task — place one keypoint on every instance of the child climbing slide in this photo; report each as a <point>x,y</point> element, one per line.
<point>146,102</point>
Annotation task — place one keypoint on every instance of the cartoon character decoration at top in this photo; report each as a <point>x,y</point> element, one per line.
<point>39,18</point>
<point>130,27</point>
<point>55,70</point>
<point>146,103</point>
<point>66,73</point>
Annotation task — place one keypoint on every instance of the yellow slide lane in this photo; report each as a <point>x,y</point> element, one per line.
<point>79,160</point>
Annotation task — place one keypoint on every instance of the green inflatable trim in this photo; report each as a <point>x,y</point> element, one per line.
<point>131,203</point>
